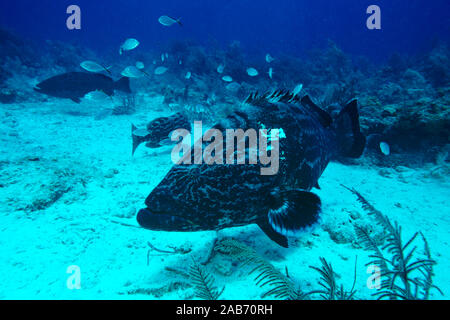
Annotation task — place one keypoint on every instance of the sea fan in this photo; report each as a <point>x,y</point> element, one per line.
<point>427,272</point>
<point>400,264</point>
<point>379,260</point>
<point>204,282</point>
<point>281,286</point>
<point>328,282</point>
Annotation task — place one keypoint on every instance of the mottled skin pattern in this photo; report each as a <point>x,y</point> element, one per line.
<point>212,197</point>
<point>160,128</point>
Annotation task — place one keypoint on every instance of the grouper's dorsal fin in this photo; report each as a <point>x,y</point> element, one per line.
<point>286,96</point>
<point>324,118</point>
<point>272,97</point>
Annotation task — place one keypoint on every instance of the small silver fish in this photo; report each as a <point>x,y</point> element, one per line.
<point>269,58</point>
<point>96,95</point>
<point>227,78</point>
<point>168,21</point>
<point>160,70</point>
<point>385,149</point>
<point>252,72</point>
<point>220,68</point>
<point>132,72</point>
<point>92,66</point>
<point>140,65</point>
<point>270,73</point>
<point>297,89</point>
<point>188,75</point>
<point>129,44</point>
<point>140,132</point>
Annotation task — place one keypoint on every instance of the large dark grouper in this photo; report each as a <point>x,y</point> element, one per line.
<point>74,85</point>
<point>197,197</point>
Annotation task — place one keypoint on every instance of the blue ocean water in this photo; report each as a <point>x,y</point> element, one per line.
<point>362,112</point>
<point>284,26</point>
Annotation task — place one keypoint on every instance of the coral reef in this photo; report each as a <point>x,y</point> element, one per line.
<point>404,100</point>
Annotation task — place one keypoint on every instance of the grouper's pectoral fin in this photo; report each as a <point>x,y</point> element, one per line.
<point>291,211</point>
<point>272,234</point>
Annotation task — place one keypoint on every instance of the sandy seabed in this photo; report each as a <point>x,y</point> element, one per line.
<point>70,190</point>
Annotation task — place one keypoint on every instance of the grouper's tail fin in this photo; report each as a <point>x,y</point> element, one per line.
<point>123,84</point>
<point>137,140</point>
<point>351,141</point>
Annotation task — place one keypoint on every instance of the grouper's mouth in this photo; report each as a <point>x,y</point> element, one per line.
<point>162,221</point>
